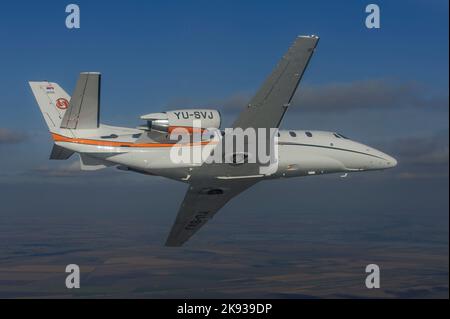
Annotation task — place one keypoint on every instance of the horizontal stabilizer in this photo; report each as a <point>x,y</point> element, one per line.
<point>60,153</point>
<point>84,108</point>
<point>89,163</point>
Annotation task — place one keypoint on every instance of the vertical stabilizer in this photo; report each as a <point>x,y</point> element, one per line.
<point>53,102</point>
<point>84,108</point>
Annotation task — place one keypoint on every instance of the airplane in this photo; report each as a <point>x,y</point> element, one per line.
<point>74,124</point>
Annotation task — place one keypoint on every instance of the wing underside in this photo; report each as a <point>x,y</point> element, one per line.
<point>201,202</point>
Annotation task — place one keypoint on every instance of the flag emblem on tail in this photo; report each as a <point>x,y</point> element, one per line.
<point>50,89</point>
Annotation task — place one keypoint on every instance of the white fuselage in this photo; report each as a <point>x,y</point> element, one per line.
<point>300,153</point>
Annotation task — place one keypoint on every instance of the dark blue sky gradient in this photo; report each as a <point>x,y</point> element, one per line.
<point>154,52</point>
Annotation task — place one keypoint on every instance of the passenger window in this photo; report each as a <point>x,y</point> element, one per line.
<point>292,134</point>
<point>336,135</point>
<point>309,134</point>
<point>343,136</point>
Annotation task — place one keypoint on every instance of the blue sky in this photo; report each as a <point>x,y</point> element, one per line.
<point>154,52</point>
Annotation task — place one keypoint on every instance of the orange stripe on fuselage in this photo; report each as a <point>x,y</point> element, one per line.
<point>61,138</point>
<point>184,129</point>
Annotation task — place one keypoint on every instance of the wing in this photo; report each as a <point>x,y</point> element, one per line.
<point>267,108</point>
<point>203,199</point>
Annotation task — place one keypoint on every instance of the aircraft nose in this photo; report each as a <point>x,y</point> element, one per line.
<point>373,160</point>
<point>390,161</point>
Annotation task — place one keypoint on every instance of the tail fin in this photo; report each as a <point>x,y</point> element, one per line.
<point>84,107</point>
<point>53,102</point>
<point>61,111</point>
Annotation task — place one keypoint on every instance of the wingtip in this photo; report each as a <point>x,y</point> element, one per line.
<point>168,244</point>
<point>312,36</point>
<point>173,242</point>
<point>91,73</point>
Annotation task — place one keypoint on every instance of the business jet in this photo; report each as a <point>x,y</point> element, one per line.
<point>75,127</point>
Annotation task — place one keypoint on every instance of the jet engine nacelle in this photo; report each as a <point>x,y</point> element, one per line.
<point>170,120</point>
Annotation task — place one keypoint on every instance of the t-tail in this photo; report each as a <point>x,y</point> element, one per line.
<point>62,113</point>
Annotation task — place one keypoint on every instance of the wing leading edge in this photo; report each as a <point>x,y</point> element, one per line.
<point>267,107</point>
<point>201,202</point>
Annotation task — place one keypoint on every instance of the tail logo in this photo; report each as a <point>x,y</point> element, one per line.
<point>62,103</point>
